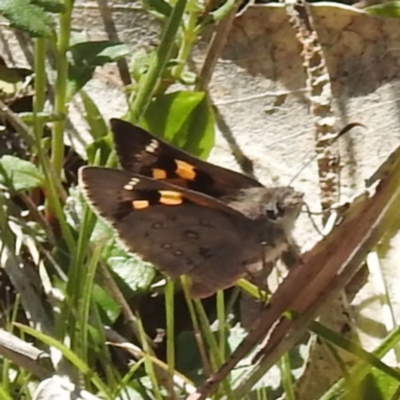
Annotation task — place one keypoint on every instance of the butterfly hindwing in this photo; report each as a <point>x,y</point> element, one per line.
<point>140,152</point>
<point>179,231</point>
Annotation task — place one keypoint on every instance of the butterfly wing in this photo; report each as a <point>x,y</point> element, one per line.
<point>178,230</point>
<point>148,155</point>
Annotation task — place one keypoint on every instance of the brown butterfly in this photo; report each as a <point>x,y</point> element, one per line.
<point>187,216</point>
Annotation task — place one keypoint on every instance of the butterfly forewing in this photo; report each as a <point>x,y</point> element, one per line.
<point>140,152</point>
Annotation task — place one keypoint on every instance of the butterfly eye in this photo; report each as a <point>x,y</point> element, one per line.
<point>275,212</point>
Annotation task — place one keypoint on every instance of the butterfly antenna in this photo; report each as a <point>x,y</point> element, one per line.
<point>309,213</point>
<point>341,133</point>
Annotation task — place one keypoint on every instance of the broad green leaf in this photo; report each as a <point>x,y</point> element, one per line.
<point>97,125</point>
<point>106,303</point>
<point>201,129</point>
<point>53,6</point>
<point>390,9</point>
<point>87,56</point>
<point>78,77</point>
<point>98,52</point>
<point>19,174</point>
<point>168,114</point>
<point>185,119</point>
<point>27,17</point>
<point>113,51</point>
<point>131,272</point>
<point>161,7</point>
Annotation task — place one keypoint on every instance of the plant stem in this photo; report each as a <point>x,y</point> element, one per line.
<point>188,38</point>
<point>215,48</point>
<point>40,86</point>
<point>53,169</point>
<point>57,145</point>
<point>161,56</point>
<point>169,311</point>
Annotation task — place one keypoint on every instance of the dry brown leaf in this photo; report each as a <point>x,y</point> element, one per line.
<point>324,271</point>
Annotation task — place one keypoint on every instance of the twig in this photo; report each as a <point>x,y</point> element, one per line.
<point>215,48</point>
<point>23,354</point>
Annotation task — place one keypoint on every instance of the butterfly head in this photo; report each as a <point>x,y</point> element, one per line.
<point>278,205</point>
<point>283,206</point>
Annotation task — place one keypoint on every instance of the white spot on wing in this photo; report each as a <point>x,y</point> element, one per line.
<point>152,146</point>
<point>131,184</point>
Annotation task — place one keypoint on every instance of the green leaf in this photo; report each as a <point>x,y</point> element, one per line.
<point>149,82</point>
<point>53,6</point>
<point>100,148</point>
<point>161,7</point>
<point>386,384</point>
<point>3,394</point>
<point>139,63</point>
<point>98,52</point>
<point>106,303</point>
<point>97,125</point>
<point>28,17</point>
<point>367,389</point>
<point>113,51</point>
<point>185,119</point>
<point>19,174</point>
<point>201,130</point>
<point>132,272</point>
<point>78,77</point>
<point>391,9</point>
<point>221,12</point>
<point>89,55</point>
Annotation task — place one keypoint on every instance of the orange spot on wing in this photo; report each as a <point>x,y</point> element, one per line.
<point>159,173</point>
<point>140,204</point>
<point>170,198</point>
<point>185,170</point>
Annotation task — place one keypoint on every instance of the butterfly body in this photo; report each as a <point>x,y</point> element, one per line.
<point>187,216</point>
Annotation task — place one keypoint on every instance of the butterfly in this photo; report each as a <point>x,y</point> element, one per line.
<point>188,216</point>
